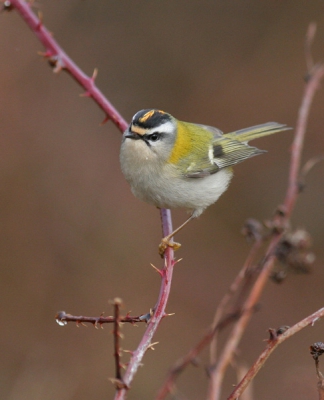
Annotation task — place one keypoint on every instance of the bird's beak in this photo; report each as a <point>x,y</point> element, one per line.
<point>132,135</point>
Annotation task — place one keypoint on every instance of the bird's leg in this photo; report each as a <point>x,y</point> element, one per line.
<point>165,242</point>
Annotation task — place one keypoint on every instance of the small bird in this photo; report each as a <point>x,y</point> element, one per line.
<point>174,164</point>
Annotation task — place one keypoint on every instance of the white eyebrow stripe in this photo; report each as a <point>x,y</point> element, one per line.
<point>166,127</point>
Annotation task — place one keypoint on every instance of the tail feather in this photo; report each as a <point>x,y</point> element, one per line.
<point>257,131</point>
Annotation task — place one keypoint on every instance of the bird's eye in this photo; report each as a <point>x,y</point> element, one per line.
<point>154,137</point>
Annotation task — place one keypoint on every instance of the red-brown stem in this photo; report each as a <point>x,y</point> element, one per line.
<point>159,311</point>
<point>296,150</point>
<point>54,51</point>
<point>117,336</point>
<point>191,356</point>
<point>217,325</point>
<point>310,320</point>
<point>228,296</point>
<point>63,318</point>
<point>217,375</point>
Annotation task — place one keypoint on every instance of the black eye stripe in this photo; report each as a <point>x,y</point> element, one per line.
<point>153,137</point>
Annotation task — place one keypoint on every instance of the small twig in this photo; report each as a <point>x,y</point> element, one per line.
<point>190,358</point>
<point>273,342</point>
<point>62,318</point>
<point>309,165</point>
<point>229,295</point>
<point>117,336</point>
<point>241,370</point>
<point>310,90</point>
<point>217,374</point>
<point>309,39</point>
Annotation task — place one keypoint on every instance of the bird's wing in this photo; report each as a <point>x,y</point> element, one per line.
<point>231,148</point>
<point>225,151</point>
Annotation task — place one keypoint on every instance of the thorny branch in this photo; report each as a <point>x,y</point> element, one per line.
<point>220,322</point>
<point>59,60</point>
<point>117,335</point>
<point>274,341</point>
<point>190,357</point>
<point>62,318</point>
<point>279,224</point>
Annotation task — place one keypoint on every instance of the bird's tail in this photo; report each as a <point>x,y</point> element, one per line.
<point>255,132</point>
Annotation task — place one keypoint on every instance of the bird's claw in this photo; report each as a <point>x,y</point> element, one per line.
<point>165,243</point>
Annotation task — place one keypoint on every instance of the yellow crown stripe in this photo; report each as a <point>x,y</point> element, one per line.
<point>149,114</point>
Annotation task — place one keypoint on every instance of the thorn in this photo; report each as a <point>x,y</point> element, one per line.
<point>104,121</point>
<point>128,351</point>
<point>273,335</point>
<point>118,383</point>
<point>315,320</point>
<point>40,17</point>
<point>168,315</point>
<point>31,3</point>
<point>83,324</point>
<point>94,75</point>
<point>151,346</point>
<point>177,261</point>
<point>85,94</point>
<point>45,54</point>
<point>160,272</point>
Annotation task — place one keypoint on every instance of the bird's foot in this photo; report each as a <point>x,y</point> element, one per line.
<point>165,243</point>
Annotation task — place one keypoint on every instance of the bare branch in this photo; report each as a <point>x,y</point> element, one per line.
<point>59,60</point>
<point>190,358</point>
<point>273,342</point>
<point>62,318</point>
<point>117,336</point>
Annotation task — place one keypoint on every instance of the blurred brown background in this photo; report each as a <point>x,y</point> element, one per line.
<point>73,236</point>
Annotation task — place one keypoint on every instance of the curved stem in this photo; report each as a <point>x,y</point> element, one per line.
<point>61,61</point>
